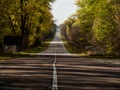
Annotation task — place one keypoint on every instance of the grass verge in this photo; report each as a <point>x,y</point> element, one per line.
<point>37,49</point>
<point>7,56</point>
<point>72,50</point>
<point>108,59</point>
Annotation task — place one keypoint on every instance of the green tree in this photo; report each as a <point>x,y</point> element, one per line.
<point>31,19</point>
<point>105,29</point>
<point>97,24</point>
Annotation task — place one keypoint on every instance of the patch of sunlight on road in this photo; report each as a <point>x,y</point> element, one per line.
<point>57,42</point>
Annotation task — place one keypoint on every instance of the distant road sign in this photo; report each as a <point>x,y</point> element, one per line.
<point>12,40</point>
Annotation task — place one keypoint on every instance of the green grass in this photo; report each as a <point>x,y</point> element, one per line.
<point>67,46</point>
<point>7,56</point>
<point>36,50</point>
<point>109,59</point>
<point>70,48</point>
<point>88,54</point>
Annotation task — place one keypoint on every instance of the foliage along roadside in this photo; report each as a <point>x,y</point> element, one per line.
<point>95,27</point>
<point>31,19</point>
<point>26,53</point>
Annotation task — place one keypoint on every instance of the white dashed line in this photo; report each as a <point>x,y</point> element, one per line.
<point>55,86</point>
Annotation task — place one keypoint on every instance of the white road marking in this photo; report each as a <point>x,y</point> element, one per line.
<point>55,86</point>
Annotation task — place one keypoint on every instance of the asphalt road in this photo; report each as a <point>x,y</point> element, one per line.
<point>57,69</point>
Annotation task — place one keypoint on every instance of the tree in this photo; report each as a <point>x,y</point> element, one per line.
<point>97,24</point>
<point>31,19</point>
<point>105,28</point>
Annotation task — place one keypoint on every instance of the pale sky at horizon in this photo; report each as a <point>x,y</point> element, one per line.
<point>62,9</point>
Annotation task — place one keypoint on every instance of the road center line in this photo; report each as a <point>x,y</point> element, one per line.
<point>54,87</point>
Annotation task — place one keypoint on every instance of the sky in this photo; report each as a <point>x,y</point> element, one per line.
<point>62,9</point>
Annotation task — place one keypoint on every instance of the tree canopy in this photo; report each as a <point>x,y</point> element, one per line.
<point>31,19</point>
<point>96,23</point>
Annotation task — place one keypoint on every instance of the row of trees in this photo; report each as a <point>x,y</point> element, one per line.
<point>95,25</point>
<point>31,19</point>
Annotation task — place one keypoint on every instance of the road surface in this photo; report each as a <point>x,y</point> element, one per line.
<point>57,69</point>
